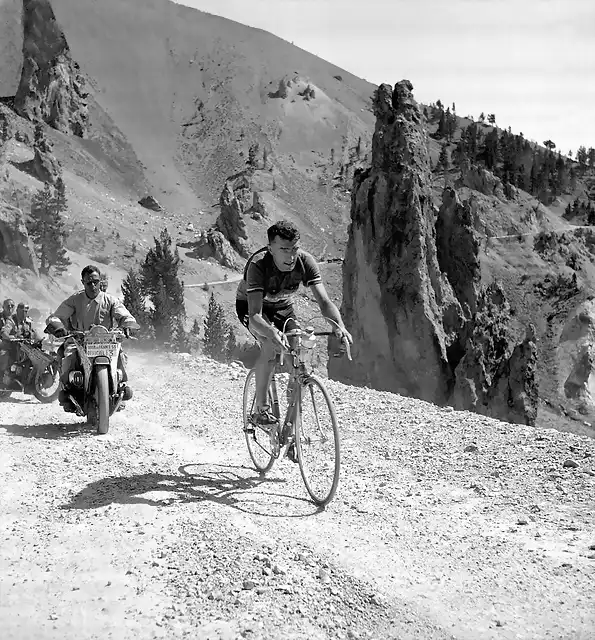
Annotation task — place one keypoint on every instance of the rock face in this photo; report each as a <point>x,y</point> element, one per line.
<point>213,244</point>
<point>44,164</point>
<point>576,356</point>
<point>412,296</point>
<point>236,200</point>
<point>15,245</point>
<point>495,377</point>
<point>11,46</point>
<point>482,180</point>
<point>394,294</point>
<point>51,88</point>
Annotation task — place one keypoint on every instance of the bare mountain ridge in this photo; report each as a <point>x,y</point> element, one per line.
<point>190,92</point>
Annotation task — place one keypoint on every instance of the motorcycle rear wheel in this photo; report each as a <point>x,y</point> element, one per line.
<point>102,398</point>
<point>43,392</point>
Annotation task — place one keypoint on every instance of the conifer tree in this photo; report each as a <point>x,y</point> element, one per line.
<point>134,301</point>
<point>47,228</point>
<point>443,159</point>
<point>219,341</point>
<point>163,286</point>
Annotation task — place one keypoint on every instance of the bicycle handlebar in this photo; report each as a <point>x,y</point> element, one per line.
<point>301,332</point>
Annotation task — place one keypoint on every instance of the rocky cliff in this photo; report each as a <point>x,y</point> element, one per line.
<point>51,87</point>
<point>412,292</point>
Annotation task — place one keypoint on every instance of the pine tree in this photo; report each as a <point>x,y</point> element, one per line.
<point>195,331</point>
<point>161,283</point>
<point>232,343</point>
<point>162,318</point>
<point>180,342</point>
<point>443,159</point>
<point>134,301</point>
<point>47,228</point>
<point>216,332</point>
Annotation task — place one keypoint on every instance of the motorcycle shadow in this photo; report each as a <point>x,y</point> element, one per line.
<point>48,431</point>
<point>226,485</point>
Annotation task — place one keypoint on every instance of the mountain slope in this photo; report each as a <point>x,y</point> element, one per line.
<point>190,90</point>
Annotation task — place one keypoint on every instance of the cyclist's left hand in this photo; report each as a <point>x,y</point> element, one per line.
<point>343,334</point>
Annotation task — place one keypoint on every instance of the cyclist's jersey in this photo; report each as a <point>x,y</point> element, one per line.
<point>278,287</point>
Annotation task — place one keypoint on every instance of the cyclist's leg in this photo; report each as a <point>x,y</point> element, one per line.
<point>264,367</point>
<point>285,320</point>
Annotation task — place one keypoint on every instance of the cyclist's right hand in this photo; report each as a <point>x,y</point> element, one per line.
<point>280,341</point>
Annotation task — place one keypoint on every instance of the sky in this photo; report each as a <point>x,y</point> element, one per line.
<point>530,62</point>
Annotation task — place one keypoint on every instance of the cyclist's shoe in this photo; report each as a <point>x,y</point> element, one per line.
<point>263,418</point>
<point>292,453</point>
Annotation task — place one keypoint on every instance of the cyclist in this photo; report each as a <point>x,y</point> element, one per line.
<point>264,303</point>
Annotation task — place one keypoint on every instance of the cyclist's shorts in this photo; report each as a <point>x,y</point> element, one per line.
<point>275,315</point>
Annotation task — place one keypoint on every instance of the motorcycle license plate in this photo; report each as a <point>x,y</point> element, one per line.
<point>95,347</point>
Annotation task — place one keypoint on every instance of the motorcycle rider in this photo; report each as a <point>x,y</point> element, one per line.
<point>5,345</point>
<point>18,326</point>
<point>80,312</point>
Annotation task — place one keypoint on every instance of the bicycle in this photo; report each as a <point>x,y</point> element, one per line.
<point>309,433</point>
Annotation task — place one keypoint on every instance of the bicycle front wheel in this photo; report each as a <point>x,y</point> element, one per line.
<point>257,440</point>
<point>318,442</point>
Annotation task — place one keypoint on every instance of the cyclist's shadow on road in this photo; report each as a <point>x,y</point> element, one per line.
<point>233,486</point>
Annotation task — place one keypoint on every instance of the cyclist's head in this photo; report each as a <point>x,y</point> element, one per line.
<point>91,278</point>
<point>285,230</point>
<point>284,240</point>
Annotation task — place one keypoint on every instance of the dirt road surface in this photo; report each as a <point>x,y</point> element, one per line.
<point>445,525</point>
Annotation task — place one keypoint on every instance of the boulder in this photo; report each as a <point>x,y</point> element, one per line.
<point>213,244</point>
<point>149,202</point>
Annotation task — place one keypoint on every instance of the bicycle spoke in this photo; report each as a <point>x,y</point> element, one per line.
<point>318,443</point>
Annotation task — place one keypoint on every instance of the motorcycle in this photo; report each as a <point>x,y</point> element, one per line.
<point>35,371</point>
<point>97,385</point>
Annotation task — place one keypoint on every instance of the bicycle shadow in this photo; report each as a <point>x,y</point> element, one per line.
<point>232,486</point>
<point>48,431</point>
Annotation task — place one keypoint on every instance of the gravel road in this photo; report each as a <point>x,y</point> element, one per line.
<point>445,525</point>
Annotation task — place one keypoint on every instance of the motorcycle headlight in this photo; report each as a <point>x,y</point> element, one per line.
<point>76,378</point>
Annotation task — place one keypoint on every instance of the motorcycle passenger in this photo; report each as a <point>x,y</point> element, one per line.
<point>264,302</point>
<point>5,345</point>
<point>80,312</point>
<point>16,327</point>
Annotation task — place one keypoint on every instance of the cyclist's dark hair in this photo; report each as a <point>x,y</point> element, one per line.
<point>89,269</point>
<point>285,230</point>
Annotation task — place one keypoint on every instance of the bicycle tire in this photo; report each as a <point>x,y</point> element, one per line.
<point>257,440</point>
<point>318,442</point>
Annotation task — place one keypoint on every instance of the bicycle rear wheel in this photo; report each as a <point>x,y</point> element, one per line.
<point>258,441</point>
<point>318,442</point>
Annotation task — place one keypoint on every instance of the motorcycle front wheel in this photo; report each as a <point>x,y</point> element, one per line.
<point>46,385</point>
<point>102,398</point>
